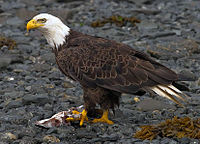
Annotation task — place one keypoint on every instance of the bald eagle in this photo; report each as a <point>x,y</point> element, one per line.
<point>104,68</point>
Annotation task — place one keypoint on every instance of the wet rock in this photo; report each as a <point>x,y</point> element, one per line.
<point>184,140</point>
<point>38,98</point>
<point>188,75</point>
<point>139,2</point>
<point>151,105</point>
<point>147,26</point>
<point>14,104</point>
<point>168,140</point>
<point>15,21</point>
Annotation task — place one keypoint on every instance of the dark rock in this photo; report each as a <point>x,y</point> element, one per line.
<point>25,48</point>
<point>29,132</point>
<point>14,104</point>
<point>159,34</point>
<point>168,140</point>
<point>140,2</point>
<point>49,58</point>
<point>14,94</point>
<point>38,99</point>
<point>184,140</point>
<point>147,11</point>
<point>111,137</point>
<point>28,140</point>
<point>187,75</point>
<point>12,5</point>
<point>85,134</point>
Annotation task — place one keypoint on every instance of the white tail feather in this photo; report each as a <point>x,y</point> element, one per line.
<point>174,88</point>
<point>168,91</point>
<point>172,91</point>
<point>159,92</point>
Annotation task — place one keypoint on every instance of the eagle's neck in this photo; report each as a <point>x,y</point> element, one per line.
<point>56,36</point>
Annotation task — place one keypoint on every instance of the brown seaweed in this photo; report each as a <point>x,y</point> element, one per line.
<point>175,128</point>
<point>4,41</point>
<point>116,19</point>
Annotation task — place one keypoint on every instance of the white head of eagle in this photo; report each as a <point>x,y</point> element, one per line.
<point>54,30</point>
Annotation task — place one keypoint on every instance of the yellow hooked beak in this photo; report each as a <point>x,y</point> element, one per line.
<point>32,24</point>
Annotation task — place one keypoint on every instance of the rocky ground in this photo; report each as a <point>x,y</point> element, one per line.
<point>32,88</point>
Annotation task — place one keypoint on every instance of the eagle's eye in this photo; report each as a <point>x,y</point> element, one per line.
<point>43,20</point>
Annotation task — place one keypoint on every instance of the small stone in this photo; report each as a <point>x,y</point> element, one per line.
<point>54,69</point>
<point>41,67</point>
<point>51,139</point>
<point>178,32</point>
<point>9,78</point>
<point>28,88</point>
<point>18,70</point>
<point>33,59</point>
<point>67,85</point>
<point>27,78</point>
<point>50,86</point>
<point>9,136</point>
<point>20,82</point>
<point>136,99</point>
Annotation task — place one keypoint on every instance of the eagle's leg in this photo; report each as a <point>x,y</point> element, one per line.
<point>104,118</point>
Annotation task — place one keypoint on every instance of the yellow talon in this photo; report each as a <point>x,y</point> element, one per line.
<point>70,119</point>
<point>104,118</point>
<point>83,117</point>
<point>75,112</point>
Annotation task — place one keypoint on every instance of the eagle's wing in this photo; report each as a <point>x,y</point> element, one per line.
<point>115,66</point>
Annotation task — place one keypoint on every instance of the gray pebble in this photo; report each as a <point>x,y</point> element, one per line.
<point>4,62</point>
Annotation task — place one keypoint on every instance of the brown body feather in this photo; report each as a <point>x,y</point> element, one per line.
<point>105,69</point>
